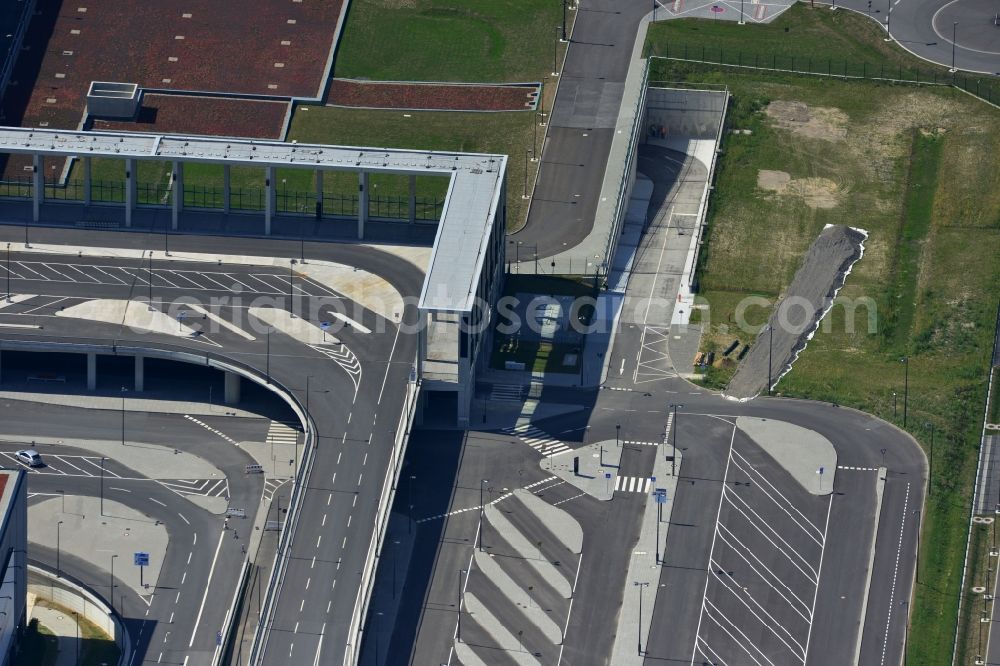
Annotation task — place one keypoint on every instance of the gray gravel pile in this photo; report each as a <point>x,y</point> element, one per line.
<point>798,315</point>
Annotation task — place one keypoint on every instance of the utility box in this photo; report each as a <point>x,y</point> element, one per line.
<point>113,100</point>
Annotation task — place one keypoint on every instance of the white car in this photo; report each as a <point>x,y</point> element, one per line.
<point>30,457</point>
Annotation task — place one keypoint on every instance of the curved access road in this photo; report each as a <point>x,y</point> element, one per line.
<point>357,387</point>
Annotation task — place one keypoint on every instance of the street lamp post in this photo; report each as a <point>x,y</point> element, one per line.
<point>481,485</point>
<point>102,484</point>
<point>618,434</point>
<point>641,587</point>
<point>534,142</point>
<point>378,628</point>
<point>291,287</point>
<point>458,633</point>
<point>395,544</point>
<point>906,385</point>
<point>111,598</point>
<point>770,348</point>
<point>888,22</point>
<point>8,272</point>
<point>267,357</point>
<point>58,560</point>
<point>123,416</point>
<point>954,30</point>
<point>555,54</point>
<point>930,461</point>
<point>673,445</point>
<point>564,21</point>
<point>409,503</point>
<point>524,195</point>
<point>149,278</point>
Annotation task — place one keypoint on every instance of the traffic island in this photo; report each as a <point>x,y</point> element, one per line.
<point>81,531</point>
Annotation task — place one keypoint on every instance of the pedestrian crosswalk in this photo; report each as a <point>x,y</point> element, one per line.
<point>629,442</point>
<point>506,393</point>
<point>537,439</point>
<point>280,433</point>
<point>632,484</point>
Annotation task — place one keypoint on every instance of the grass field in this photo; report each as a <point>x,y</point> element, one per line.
<point>449,40</point>
<point>915,166</point>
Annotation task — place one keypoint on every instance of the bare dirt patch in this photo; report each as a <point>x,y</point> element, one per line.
<point>774,181</point>
<point>815,192</point>
<point>814,122</point>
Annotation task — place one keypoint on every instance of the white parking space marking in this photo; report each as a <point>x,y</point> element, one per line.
<point>182,276</point>
<point>118,280</point>
<point>71,267</point>
<point>238,281</point>
<point>29,268</point>
<point>763,571</point>
<point>162,275</point>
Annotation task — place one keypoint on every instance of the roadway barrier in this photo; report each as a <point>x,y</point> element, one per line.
<point>356,629</point>
<point>628,171</point>
<point>981,470</point>
<point>76,597</point>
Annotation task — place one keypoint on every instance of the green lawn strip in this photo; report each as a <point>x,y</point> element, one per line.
<point>449,40</point>
<point>917,212</point>
<point>952,312</point>
<point>995,400</point>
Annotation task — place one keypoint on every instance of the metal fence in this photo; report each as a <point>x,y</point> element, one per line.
<point>983,86</point>
<point>240,199</point>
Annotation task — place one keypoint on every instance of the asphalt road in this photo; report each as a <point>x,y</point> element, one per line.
<point>581,126</point>
<point>926,28</point>
<point>174,602</point>
<point>356,423</point>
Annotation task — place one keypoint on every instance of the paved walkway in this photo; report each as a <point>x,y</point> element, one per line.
<point>132,404</point>
<point>64,626</point>
<point>94,538</point>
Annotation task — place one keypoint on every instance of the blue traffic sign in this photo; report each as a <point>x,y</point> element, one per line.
<point>141,559</point>
<point>607,475</point>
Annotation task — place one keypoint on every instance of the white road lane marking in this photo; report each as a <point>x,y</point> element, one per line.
<point>208,588</point>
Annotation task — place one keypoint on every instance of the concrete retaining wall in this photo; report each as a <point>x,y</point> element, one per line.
<point>694,114</point>
<point>80,600</point>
